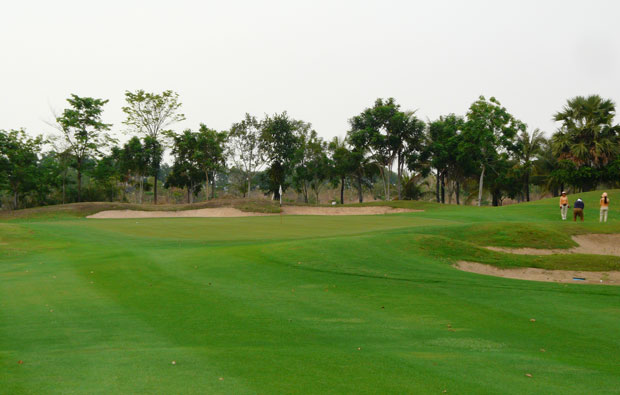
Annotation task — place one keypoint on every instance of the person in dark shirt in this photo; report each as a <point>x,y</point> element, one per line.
<point>578,210</point>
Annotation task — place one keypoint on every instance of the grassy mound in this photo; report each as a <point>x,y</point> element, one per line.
<point>80,210</point>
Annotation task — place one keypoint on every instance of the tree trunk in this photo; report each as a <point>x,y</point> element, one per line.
<point>458,191</point>
<point>342,190</point>
<point>79,180</point>
<point>249,184</point>
<point>400,175</point>
<point>15,200</point>
<point>207,184</point>
<point>213,186</point>
<point>443,188</point>
<point>304,189</point>
<point>64,181</point>
<point>480,186</point>
<point>437,188</point>
<point>188,193</point>
<point>141,189</point>
<point>359,188</point>
<point>382,173</point>
<point>495,199</point>
<point>527,187</point>
<point>389,173</point>
<point>155,185</point>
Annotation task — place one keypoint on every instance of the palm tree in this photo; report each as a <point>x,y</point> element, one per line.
<point>587,136</point>
<point>544,169</point>
<point>528,146</point>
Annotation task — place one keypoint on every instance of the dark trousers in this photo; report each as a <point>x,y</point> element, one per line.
<point>577,212</point>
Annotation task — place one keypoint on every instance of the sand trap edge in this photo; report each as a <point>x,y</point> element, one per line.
<point>535,274</point>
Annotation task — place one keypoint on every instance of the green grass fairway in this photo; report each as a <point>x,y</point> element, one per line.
<point>359,304</point>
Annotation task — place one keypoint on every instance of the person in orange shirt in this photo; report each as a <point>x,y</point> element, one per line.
<point>564,205</point>
<point>604,207</point>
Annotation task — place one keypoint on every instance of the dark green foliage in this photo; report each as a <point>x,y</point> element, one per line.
<point>279,142</point>
<point>312,167</point>
<point>342,162</point>
<point>84,132</point>
<point>489,150</point>
<point>19,163</point>
<point>186,171</point>
<point>151,114</point>
<point>106,174</point>
<point>489,131</point>
<point>444,139</point>
<point>588,138</point>
<point>208,152</point>
<point>245,146</point>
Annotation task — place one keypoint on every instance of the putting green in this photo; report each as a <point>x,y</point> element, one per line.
<point>349,304</point>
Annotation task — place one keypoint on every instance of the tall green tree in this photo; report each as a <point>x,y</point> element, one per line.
<point>364,168</point>
<point>245,147</point>
<point>409,145</point>
<point>153,156</point>
<point>49,178</point>
<point>84,131</point>
<point>151,114</point>
<point>342,162</point>
<point>506,179</point>
<point>443,143</point>
<point>544,166</point>
<point>377,129</point>
<point>528,146</point>
<point>312,167</point>
<point>489,130</point>
<point>19,162</point>
<point>279,142</point>
<point>587,135</point>
<point>133,162</point>
<point>309,144</point>
<point>106,175</point>
<point>64,160</point>
<point>186,171</point>
<point>209,153</point>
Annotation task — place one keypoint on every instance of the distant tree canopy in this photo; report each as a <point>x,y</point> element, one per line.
<point>484,156</point>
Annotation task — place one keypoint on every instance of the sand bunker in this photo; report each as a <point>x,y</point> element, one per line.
<point>588,244</point>
<point>201,213</point>
<point>375,210</point>
<point>560,276</point>
<point>228,212</point>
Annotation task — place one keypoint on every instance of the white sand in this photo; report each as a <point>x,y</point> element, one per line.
<point>533,274</point>
<point>201,213</point>
<point>600,244</point>
<point>222,212</point>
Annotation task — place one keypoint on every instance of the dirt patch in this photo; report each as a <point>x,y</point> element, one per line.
<point>230,212</point>
<point>372,210</point>
<point>601,244</point>
<point>220,212</point>
<point>533,274</point>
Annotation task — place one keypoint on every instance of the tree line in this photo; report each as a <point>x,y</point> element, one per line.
<point>387,152</point>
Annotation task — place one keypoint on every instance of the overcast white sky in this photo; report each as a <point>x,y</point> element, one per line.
<point>322,61</point>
